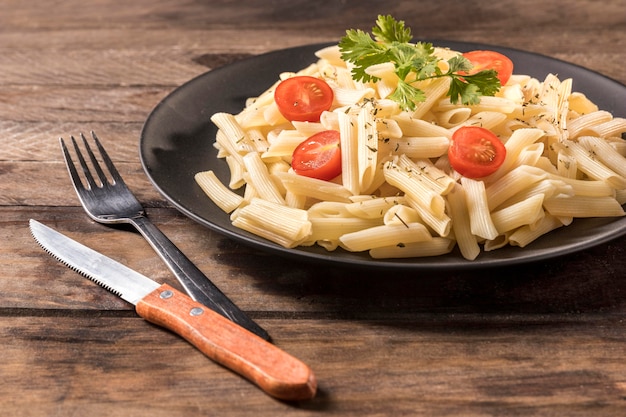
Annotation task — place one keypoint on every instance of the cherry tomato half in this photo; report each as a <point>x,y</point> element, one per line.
<point>485,60</point>
<point>303,98</point>
<point>318,156</point>
<point>475,152</point>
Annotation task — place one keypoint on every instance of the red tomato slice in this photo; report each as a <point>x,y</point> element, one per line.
<point>475,152</point>
<point>303,98</point>
<point>319,156</point>
<point>486,60</point>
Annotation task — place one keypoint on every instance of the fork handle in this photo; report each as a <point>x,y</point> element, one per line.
<point>195,283</point>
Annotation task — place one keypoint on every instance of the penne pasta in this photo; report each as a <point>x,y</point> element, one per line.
<point>385,235</point>
<point>481,223</point>
<point>398,195</point>
<point>433,247</point>
<point>221,195</point>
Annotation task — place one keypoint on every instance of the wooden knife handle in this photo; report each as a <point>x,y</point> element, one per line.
<point>272,369</point>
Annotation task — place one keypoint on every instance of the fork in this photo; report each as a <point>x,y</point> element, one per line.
<point>110,201</point>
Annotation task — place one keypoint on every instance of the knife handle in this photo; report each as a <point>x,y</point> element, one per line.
<point>272,369</point>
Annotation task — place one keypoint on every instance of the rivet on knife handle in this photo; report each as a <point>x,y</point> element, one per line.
<point>272,369</point>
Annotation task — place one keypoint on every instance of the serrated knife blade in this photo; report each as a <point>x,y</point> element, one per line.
<point>275,371</point>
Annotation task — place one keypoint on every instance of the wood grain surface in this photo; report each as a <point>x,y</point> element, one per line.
<point>544,339</point>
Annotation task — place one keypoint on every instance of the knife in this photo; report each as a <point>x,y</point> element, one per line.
<point>273,370</point>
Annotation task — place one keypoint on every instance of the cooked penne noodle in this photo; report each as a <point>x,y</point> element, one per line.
<point>314,188</point>
<point>273,116</point>
<point>567,166</point>
<point>478,209</point>
<point>580,104</point>
<point>525,213</point>
<point>350,97</point>
<point>519,140</point>
<point>453,117</point>
<point>221,195</point>
<point>349,153</point>
<point>331,54</point>
<point>434,90</point>
<point>283,145</point>
<point>547,188</point>
<point>620,196</point>
<point>484,119</point>
<point>433,247</point>
<point>372,208</point>
<point>615,127</point>
<point>295,200</point>
<point>605,153</point>
<point>514,182</point>
<point>332,228</point>
<point>432,177</point>
<point>442,226</point>
<point>526,234</point>
<point>384,71</point>
<point>307,129</point>
<point>587,188</point>
<point>401,214</point>
<point>284,225</point>
<point>237,171</point>
<point>385,235</point>
<point>583,206</point>
<point>466,240</point>
<point>228,147</point>
<point>367,147</point>
<point>592,167</point>
<point>421,147</point>
<point>235,136</point>
<point>487,104</point>
<point>582,125</point>
<point>420,128</point>
<point>413,186</point>
<point>259,177</point>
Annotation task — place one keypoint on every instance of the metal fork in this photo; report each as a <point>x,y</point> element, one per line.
<point>110,201</point>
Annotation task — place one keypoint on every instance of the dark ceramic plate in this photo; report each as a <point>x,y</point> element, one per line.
<point>177,141</point>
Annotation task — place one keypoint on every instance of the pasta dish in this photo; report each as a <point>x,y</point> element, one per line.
<point>393,180</point>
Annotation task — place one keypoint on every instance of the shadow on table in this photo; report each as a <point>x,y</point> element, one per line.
<point>584,282</point>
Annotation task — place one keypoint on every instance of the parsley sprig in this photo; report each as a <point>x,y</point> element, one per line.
<point>413,62</point>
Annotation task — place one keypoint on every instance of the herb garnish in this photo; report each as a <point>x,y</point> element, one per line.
<point>413,62</point>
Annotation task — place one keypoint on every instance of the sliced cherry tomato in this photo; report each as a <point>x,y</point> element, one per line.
<point>485,60</point>
<point>475,152</point>
<point>319,156</point>
<point>303,98</point>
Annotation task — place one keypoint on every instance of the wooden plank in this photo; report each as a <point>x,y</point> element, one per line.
<point>470,365</point>
<point>38,141</point>
<point>82,104</point>
<point>49,183</point>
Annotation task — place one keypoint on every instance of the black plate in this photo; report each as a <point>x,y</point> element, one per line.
<point>177,139</point>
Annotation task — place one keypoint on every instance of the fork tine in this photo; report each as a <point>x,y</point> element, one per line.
<point>70,164</point>
<point>83,164</point>
<point>107,160</point>
<point>94,161</point>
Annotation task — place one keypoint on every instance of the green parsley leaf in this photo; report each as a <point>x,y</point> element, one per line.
<point>359,48</point>
<point>459,64</point>
<point>406,95</point>
<point>389,30</point>
<point>412,62</point>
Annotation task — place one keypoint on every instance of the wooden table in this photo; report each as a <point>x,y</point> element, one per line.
<point>542,339</point>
